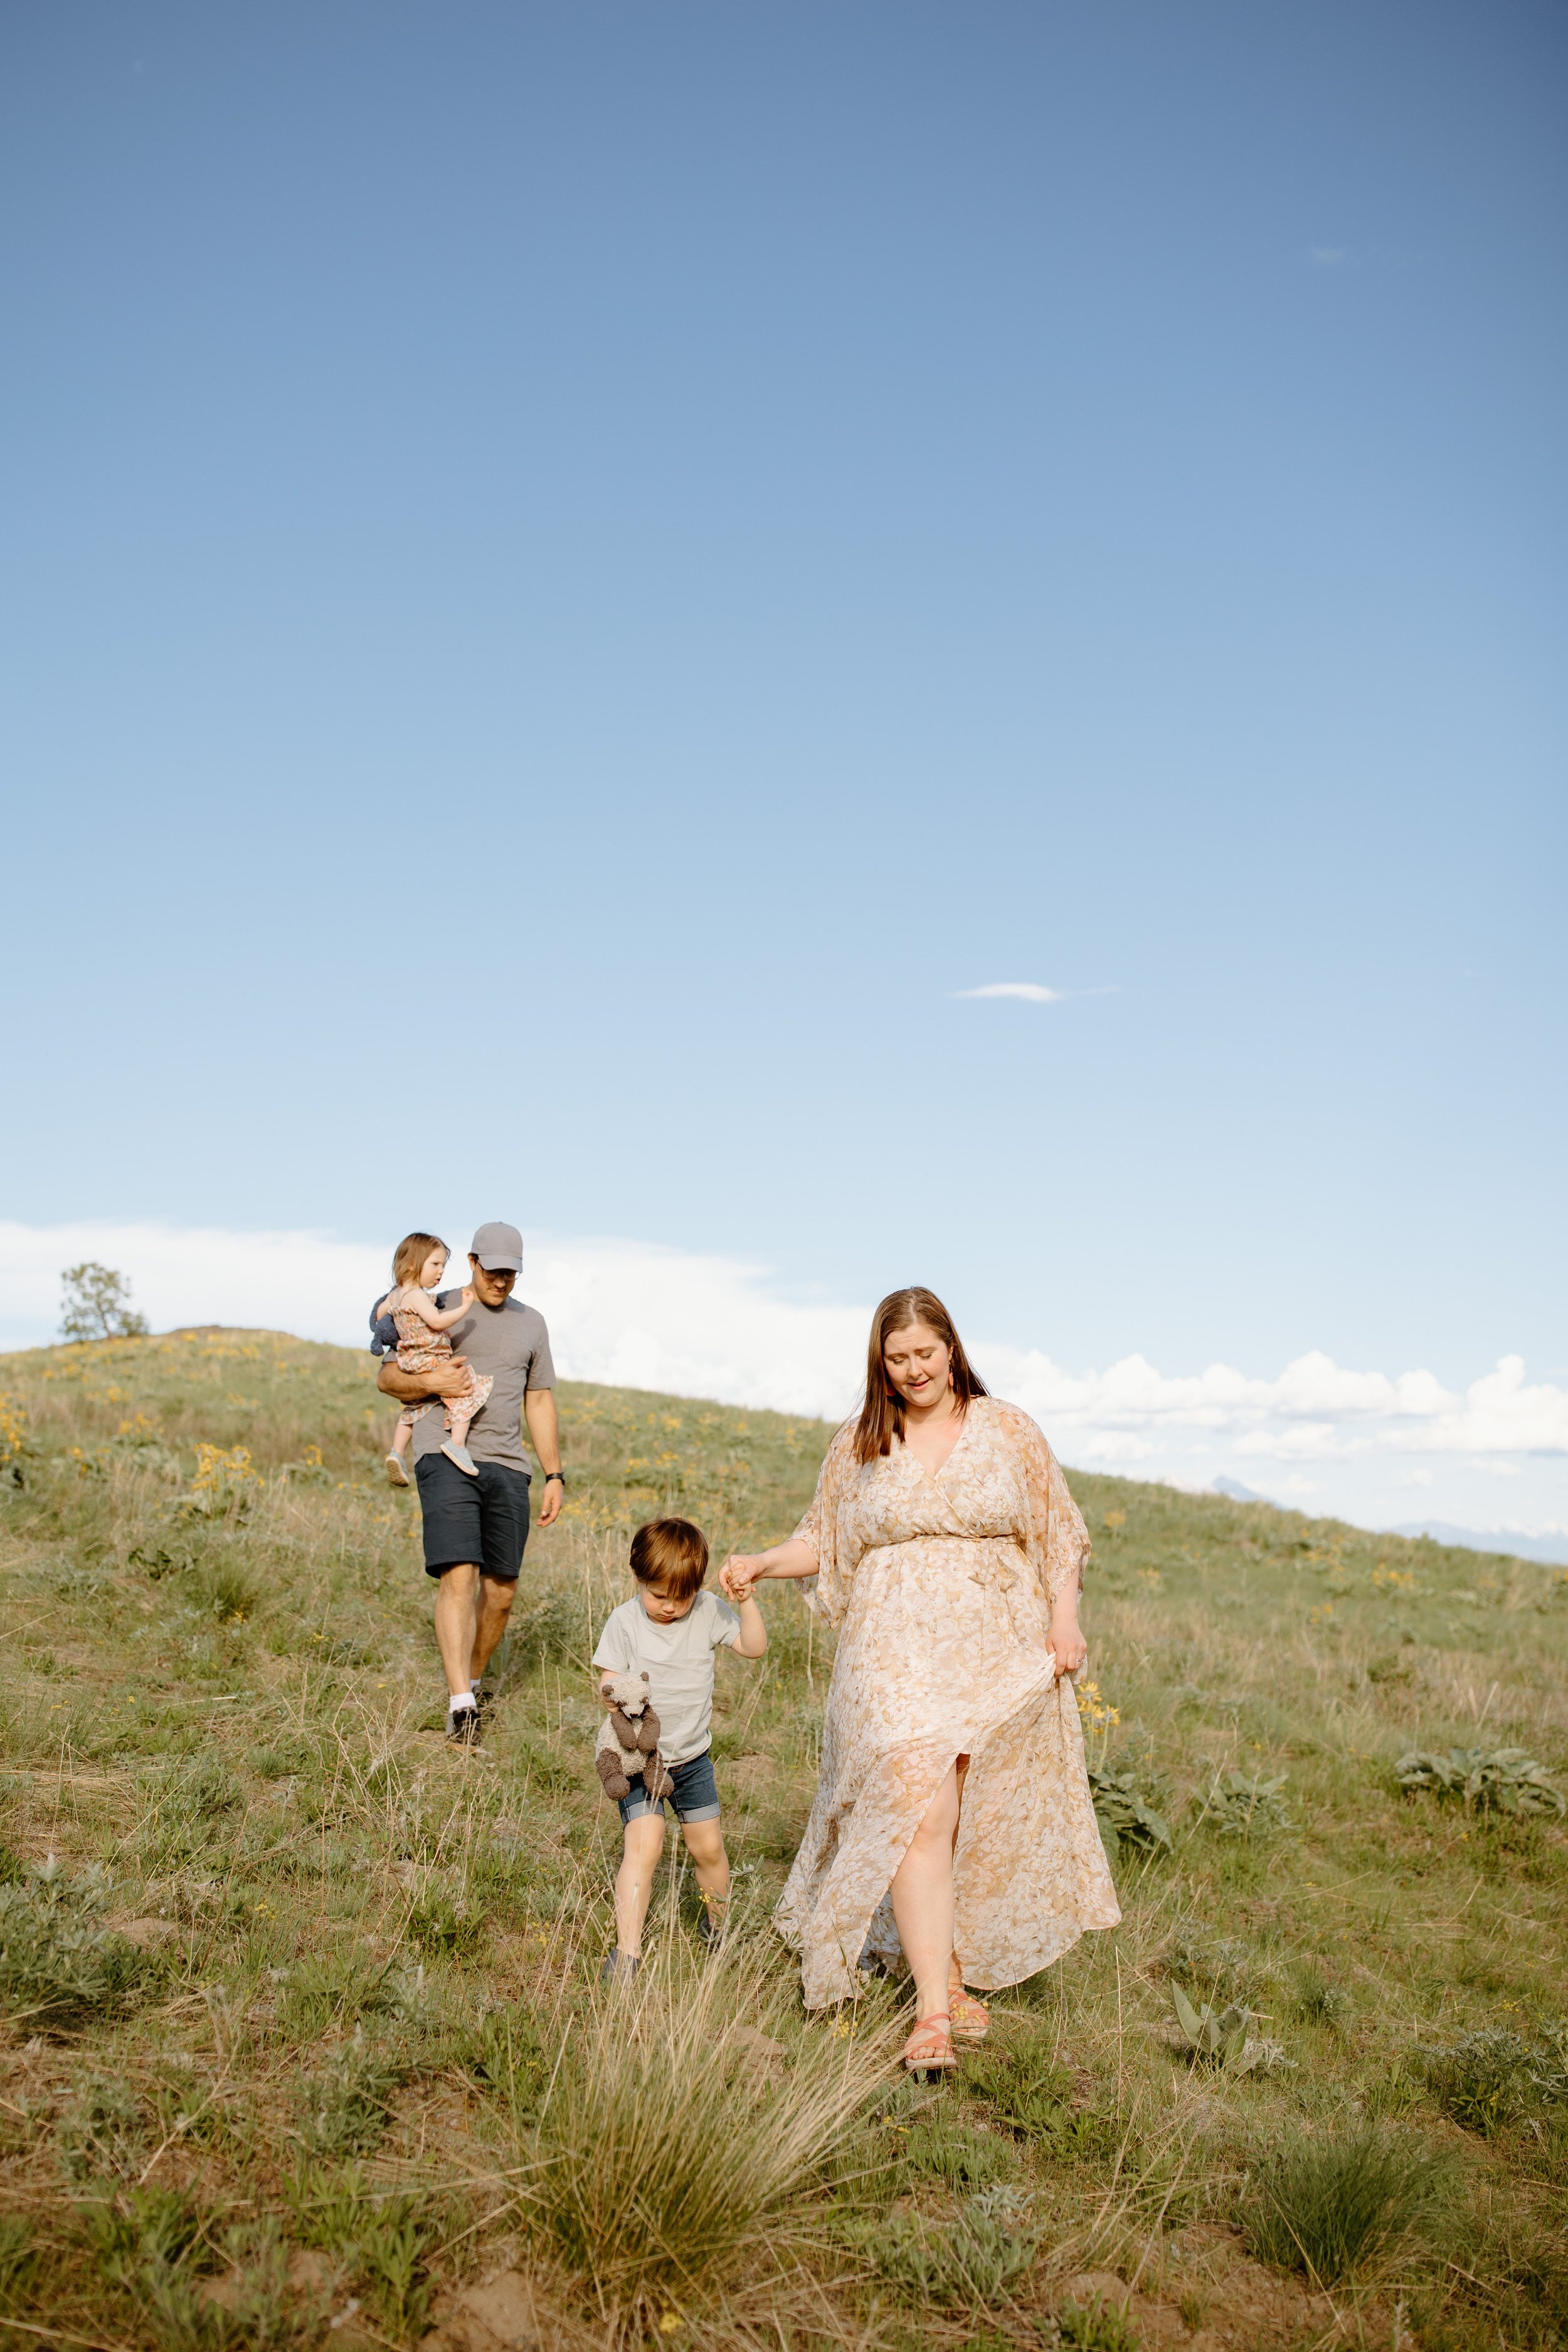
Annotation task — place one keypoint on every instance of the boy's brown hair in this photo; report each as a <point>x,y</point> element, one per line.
<point>673,1554</point>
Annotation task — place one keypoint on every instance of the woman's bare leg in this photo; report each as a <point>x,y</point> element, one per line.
<point>922,1901</point>
<point>954,1973</point>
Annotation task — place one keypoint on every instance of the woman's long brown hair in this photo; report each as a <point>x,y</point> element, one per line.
<point>882,1414</point>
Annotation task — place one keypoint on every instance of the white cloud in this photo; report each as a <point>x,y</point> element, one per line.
<point>703,1325</point>
<point>1029,991</point>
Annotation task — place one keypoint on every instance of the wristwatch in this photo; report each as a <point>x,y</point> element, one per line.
<point>555,1474</point>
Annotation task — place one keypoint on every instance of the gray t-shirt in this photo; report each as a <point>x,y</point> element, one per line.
<point>678,1660</point>
<point>513,1343</point>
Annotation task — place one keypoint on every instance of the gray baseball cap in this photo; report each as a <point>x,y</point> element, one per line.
<point>498,1249</point>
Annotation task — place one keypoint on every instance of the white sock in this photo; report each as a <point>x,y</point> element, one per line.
<point>461,1704</point>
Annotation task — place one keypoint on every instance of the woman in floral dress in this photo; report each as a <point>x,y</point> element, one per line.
<point>952,1819</point>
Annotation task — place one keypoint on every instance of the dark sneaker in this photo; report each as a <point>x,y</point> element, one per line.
<point>619,1969</point>
<point>485,1698</point>
<point>463,1726</point>
<point>711,1929</point>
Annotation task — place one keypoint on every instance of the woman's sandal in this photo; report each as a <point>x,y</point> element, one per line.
<point>971,2018</point>
<point>929,2050</point>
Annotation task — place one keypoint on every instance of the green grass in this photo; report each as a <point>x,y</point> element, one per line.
<point>303,2009</point>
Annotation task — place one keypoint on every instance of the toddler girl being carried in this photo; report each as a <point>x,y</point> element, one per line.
<point>422,1344</point>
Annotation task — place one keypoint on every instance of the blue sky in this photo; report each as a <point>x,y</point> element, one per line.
<point>574,574</point>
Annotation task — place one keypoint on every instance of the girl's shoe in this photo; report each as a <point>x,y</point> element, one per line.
<point>461,1457</point>
<point>929,2050</point>
<point>711,1928</point>
<point>395,1471</point>
<point>971,2018</point>
<point>619,1968</point>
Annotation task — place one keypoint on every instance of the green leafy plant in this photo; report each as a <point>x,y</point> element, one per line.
<point>936,2148</point>
<point>344,2109</point>
<point>1331,2207</point>
<point>973,2258</point>
<point>1486,2079</point>
<point>1124,1815</point>
<point>57,1958</point>
<point>1494,1780</point>
<point>1216,2037</point>
<point>1246,1805</point>
<point>1095,2326</point>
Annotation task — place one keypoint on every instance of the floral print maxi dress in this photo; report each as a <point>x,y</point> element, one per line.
<point>941,1588</point>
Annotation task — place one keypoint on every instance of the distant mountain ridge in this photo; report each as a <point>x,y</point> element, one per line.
<point>1553,1549</point>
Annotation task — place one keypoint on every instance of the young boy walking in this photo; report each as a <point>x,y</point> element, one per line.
<point>669,1629</point>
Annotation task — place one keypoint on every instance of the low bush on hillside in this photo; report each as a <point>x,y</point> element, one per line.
<point>59,1960</point>
<point>1484,1779</point>
<point>1331,2207</point>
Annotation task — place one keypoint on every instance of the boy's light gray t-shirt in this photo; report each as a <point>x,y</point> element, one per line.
<point>678,1660</point>
<point>512,1343</point>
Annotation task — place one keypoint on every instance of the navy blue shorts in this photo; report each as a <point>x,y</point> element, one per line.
<point>483,1518</point>
<point>694,1798</point>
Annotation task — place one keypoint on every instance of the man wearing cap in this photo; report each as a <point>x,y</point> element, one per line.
<point>475,1529</point>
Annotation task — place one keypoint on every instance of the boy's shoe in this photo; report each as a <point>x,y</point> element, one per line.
<point>712,1931</point>
<point>463,1726</point>
<point>619,1969</point>
<point>461,1457</point>
<point>395,1472</point>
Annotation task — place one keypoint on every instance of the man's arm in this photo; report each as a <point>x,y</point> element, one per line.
<point>544,1431</point>
<point>412,1388</point>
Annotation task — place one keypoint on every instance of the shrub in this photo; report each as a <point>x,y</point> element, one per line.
<point>1216,2037</point>
<point>1246,1805</point>
<point>937,2149</point>
<point>1495,1780</point>
<point>1330,2207</point>
<point>973,2258</point>
<point>1485,2079</point>
<point>650,2085</point>
<point>1098,2326</point>
<point>345,2108</point>
<point>1124,1814</point>
<point>58,1960</point>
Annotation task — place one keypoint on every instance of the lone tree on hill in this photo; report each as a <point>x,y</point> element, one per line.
<point>97,1303</point>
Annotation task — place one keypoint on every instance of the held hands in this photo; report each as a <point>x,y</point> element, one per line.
<point>741,1572</point>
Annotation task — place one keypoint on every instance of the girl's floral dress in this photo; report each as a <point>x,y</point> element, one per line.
<point>420,1350</point>
<point>941,1588</point>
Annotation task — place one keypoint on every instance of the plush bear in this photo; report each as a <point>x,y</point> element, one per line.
<point>628,1741</point>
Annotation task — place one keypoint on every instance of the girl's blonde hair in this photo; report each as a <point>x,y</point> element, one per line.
<point>408,1258</point>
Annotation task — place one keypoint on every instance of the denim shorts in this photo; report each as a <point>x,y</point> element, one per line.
<point>695,1797</point>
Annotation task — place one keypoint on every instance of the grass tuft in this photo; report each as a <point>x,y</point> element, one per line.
<point>641,2187</point>
<point>1329,2208</point>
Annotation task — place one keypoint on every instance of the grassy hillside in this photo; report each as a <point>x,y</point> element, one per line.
<point>301,2043</point>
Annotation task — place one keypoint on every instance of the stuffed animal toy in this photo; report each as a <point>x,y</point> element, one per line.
<point>628,1741</point>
